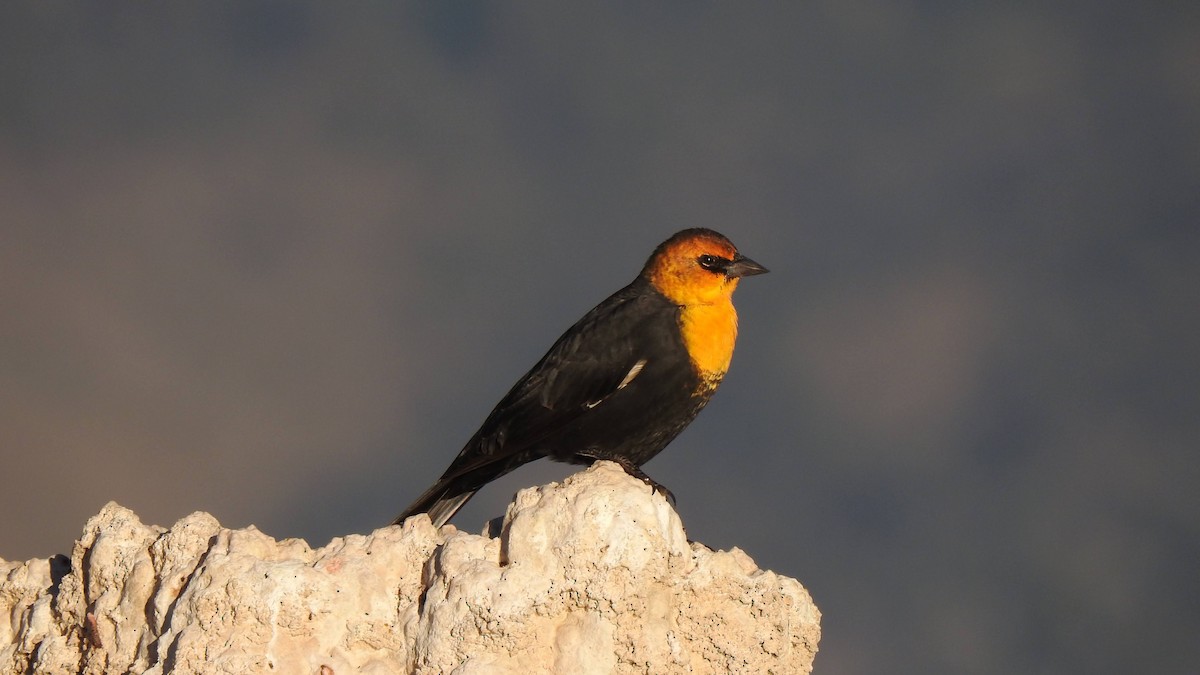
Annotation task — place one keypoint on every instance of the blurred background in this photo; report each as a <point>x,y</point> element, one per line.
<point>277,261</point>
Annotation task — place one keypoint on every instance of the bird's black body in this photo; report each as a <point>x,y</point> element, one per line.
<point>618,385</point>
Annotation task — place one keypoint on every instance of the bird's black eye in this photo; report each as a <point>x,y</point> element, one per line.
<point>711,262</point>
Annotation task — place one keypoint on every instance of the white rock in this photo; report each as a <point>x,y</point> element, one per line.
<point>594,575</point>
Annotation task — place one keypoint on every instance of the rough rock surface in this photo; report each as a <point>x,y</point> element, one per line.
<point>593,575</point>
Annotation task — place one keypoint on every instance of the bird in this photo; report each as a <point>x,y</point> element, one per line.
<point>621,383</point>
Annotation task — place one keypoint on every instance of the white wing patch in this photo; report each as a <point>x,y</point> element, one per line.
<point>633,372</point>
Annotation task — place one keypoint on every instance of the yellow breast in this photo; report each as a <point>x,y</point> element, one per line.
<point>709,333</point>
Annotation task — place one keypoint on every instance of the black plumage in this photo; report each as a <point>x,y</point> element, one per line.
<point>618,385</point>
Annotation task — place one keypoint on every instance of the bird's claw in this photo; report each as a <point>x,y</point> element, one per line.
<point>655,486</point>
<point>636,471</point>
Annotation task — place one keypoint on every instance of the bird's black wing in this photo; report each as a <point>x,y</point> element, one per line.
<point>586,365</point>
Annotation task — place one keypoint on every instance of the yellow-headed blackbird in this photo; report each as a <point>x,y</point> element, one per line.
<point>622,382</point>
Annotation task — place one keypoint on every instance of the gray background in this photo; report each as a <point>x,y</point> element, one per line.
<point>277,261</point>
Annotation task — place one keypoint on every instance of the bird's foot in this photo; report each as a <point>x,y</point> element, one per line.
<point>661,489</point>
<point>636,471</point>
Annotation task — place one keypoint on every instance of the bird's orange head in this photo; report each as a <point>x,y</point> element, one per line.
<point>698,267</point>
<point>698,270</point>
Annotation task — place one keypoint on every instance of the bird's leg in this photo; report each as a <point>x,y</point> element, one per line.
<point>636,471</point>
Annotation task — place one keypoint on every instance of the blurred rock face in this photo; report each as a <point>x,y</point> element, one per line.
<point>591,575</point>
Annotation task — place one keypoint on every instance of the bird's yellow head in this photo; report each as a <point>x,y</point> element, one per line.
<point>698,267</point>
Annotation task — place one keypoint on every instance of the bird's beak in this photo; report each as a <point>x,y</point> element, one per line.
<point>744,267</point>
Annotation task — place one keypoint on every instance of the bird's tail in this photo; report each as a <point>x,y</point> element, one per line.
<point>437,504</point>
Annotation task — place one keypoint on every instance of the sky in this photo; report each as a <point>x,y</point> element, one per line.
<point>276,261</point>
